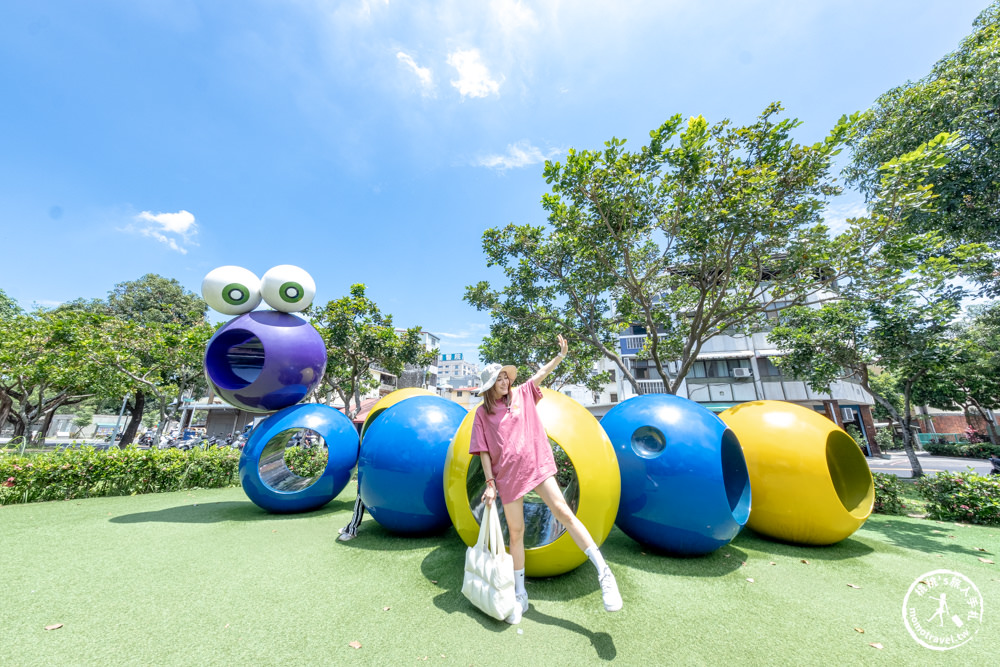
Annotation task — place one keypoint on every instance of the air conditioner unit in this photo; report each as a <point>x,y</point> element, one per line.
<point>742,372</point>
<point>847,414</point>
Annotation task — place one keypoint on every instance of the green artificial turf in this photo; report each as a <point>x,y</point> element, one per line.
<point>205,578</point>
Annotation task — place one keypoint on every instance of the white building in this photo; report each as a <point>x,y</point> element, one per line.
<point>455,371</point>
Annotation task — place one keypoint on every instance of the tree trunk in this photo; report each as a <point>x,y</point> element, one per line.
<point>990,427</point>
<point>911,453</point>
<point>46,423</point>
<point>133,425</point>
<point>6,403</point>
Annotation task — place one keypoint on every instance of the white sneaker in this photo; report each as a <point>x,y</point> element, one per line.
<point>523,600</point>
<point>609,591</point>
<point>515,616</point>
<point>345,537</point>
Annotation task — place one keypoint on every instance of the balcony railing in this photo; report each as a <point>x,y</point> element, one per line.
<point>651,387</point>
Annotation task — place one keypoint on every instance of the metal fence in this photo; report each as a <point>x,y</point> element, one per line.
<point>927,438</point>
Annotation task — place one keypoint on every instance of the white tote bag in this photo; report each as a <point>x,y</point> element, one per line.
<point>489,569</point>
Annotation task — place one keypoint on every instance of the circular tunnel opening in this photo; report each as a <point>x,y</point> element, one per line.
<point>540,526</point>
<point>849,472</point>
<point>648,442</point>
<point>293,460</point>
<point>735,477</point>
<point>234,359</point>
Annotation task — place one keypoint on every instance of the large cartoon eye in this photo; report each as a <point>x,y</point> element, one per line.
<point>231,290</point>
<point>287,288</point>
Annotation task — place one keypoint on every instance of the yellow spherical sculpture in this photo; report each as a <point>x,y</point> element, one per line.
<point>390,400</point>
<point>811,483</point>
<point>593,492</point>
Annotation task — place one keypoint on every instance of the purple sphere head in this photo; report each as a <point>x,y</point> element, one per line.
<point>265,361</point>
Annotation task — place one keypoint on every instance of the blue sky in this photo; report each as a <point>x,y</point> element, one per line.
<point>374,141</point>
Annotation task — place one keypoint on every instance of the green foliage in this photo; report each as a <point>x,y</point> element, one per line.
<point>886,440</point>
<point>42,368</point>
<point>961,95</point>
<point>359,337</point>
<point>888,493</point>
<point>856,435</point>
<point>896,309</point>
<point>85,472</point>
<point>8,307</point>
<point>155,299</point>
<point>718,223</point>
<point>962,496</point>
<point>306,461</point>
<point>972,450</point>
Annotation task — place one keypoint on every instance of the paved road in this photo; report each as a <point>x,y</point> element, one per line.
<point>899,465</point>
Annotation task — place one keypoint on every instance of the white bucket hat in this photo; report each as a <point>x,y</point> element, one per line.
<point>490,374</point>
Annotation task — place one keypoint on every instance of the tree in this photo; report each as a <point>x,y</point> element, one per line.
<point>154,298</point>
<point>41,370</point>
<point>702,231</point>
<point>972,381</point>
<point>895,310</point>
<point>149,359</point>
<point>152,331</point>
<point>531,348</point>
<point>8,307</point>
<point>960,95</point>
<point>360,338</point>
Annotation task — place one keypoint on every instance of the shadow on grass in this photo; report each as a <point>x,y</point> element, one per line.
<point>850,547</point>
<point>920,535</point>
<point>443,568</point>
<point>223,511</point>
<point>373,537</point>
<point>620,549</point>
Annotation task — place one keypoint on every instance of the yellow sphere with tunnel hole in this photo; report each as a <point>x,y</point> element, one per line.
<point>390,400</point>
<point>811,483</point>
<point>598,482</point>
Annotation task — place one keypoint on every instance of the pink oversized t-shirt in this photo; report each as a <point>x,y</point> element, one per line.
<point>515,438</point>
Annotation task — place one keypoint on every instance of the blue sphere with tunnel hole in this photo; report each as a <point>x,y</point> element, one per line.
<point>685,485</point>
<point>266,478</point>
<point>401,467</point>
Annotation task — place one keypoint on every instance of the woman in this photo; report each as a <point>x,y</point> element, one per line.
<point>509,437</point>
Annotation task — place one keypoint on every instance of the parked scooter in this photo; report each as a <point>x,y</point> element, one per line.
<point>995,461</point>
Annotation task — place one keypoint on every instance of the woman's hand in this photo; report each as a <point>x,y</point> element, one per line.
<point>563,346</point>
<point>489,495</point>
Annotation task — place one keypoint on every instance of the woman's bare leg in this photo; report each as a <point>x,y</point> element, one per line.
<point>513,512</point>
<point>553,497</point>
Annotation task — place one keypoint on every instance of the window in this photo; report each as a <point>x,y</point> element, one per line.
<point>641,373</point>
<point>736,363</point>
<point>768,369</point>
<point>614,398</point>
<point>612,371</point>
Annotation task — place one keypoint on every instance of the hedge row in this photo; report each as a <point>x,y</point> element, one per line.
<point>974,450</point>
<point>88,473</point>
<point>962,496</point>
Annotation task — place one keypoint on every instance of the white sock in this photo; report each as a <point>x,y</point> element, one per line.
<point>519,583</point>
<point>594,554</point>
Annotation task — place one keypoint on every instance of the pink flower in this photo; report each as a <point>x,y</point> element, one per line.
<point>9,482</point>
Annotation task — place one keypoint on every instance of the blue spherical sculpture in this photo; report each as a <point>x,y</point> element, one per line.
<point>401,468</point>
<point>265,360</point>
<point>269,483</point>
<point>685,487</point>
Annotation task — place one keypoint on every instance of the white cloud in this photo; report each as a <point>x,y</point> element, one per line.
<point>172,229</point>
<point>519,154</point>
<point>474,79</point>
<point>424,74</point>
<point>513,16</point>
